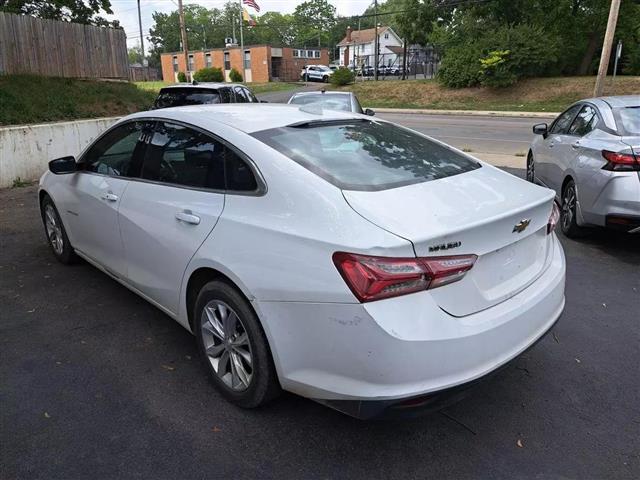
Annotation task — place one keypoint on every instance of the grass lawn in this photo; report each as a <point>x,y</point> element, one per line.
<point>529,95</point>
<point>34,99</point>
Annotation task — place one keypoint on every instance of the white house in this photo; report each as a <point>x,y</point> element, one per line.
<point>358,47</point>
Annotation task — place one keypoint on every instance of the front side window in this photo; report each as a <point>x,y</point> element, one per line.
<point>585,122</point>
<point>561,124</point>
<point>366,155</point>
<point>179,155</point>
<point>117,152</point>
<point>178,97</point>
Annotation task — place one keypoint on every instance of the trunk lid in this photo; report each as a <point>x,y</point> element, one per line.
<point>487,212</point>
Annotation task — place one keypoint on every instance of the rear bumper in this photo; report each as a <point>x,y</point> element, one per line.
<point>620,198</point>
<point>401,348</point>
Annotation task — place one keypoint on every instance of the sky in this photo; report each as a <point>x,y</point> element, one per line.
<point>126,11</point>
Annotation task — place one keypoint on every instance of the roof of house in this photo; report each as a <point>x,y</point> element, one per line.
<point>397,49</point>
<point>363,36</point>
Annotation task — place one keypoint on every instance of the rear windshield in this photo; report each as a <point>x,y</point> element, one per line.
<point>327,100</point>
<point>178,97</point>
<point>366,155</point>
<point>630,118</point>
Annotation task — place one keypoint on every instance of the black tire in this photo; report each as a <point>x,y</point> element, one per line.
<point>531,168</point>
<point>56,233</point>
<point>263,384</point>
<point>305,78</point>
<point>568,215</point>
<point>325,79</point>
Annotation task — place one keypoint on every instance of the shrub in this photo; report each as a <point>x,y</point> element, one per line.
<point>235,75</point>
<point>342,76</point>
<point>495,71</point>
<point>182,77</point>
<point>211,74</point>
<point>460,67</point>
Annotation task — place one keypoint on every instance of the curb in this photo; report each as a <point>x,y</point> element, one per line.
<point>472,113</point>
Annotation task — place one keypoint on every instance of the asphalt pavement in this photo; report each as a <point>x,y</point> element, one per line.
<point>96,383</point>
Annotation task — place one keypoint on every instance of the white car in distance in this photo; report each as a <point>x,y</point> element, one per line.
<point>330,254</point>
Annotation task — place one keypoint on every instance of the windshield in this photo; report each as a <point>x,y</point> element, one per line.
<point>366,155</point>
<point>630,118</point>
<point>330,101</point>
<point>177,97</point>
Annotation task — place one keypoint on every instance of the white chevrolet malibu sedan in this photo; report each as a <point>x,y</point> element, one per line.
<point>330,254</point>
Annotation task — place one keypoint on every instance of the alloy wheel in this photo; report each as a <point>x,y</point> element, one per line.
<point>54,232</point>
<point>568,207</point>
<point>226,345</point>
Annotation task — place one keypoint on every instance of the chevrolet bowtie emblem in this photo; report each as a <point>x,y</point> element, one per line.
<point>521,226</point>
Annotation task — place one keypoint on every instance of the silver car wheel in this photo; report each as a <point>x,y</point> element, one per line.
<point>54,232</point>
<point>226,345</point>
<point>568,207</point>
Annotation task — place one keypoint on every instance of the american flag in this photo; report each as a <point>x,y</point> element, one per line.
<point>252,4</point>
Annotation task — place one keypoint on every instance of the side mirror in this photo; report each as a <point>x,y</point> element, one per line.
<point>541,129</point>
<point>369,112</point>
<point>61,166</point>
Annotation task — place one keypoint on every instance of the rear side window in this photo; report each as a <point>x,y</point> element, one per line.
<point>118,152</point>
<point>365,155</point>
<point>630,118</point>
<point>563,122</point>
<point>240,177</point>
<point>182,156</point>
<point>585,122</point>
<point>178,97</point>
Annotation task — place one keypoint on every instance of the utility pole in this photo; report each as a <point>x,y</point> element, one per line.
<point>141,36</point>
<point>244,74</point>
<point>183,34</point>
<point>606,48</point>
<point>377,45</point>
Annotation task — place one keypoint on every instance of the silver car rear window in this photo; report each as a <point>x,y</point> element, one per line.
<point>366,155</point>
<point>327,100</point>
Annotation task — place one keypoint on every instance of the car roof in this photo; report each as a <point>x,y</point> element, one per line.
<point>246,117</point>
<point>202,85</point>
<point>618,101</point>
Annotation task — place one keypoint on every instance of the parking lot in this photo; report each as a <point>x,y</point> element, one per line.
<point>97,383</point>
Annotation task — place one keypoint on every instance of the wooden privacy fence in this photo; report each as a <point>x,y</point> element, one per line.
<point>61,49</point>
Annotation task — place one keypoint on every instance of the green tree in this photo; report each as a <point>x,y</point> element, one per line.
<point>135,54</point>
<point>78,11</point>
<point>314,21</point>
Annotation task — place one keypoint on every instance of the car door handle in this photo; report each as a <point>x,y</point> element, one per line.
<point>188,217</point>
<point>110,197</point>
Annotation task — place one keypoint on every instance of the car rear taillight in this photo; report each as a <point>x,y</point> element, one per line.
<point>373,278</point>
<point>554,218</point>
<point>620,162</point>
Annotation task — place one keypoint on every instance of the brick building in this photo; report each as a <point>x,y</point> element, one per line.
<point>262,63</point>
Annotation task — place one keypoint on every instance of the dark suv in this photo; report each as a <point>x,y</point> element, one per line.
<point>203,94</point>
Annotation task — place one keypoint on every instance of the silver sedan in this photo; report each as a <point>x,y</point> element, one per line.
<point>590,155</point>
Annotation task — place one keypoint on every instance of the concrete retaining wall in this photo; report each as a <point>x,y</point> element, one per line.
<point>26,150</point>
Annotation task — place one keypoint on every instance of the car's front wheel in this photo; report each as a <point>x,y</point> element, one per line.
<point>568,215</point>
<point>531,168</point>
<point>233,346</point>
<point>56,234</point>
<point>325,79</point>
